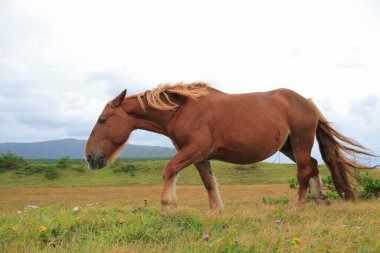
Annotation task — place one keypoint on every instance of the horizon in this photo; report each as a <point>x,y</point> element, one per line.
<point>278,157</point>
<point>57,71</point>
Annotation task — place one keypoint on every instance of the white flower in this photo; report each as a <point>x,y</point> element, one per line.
<point>28,207</point>
<point>76,209</point>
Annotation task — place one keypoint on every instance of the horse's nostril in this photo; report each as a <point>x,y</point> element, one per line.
<point>102,157</point>
<point>89,158</point>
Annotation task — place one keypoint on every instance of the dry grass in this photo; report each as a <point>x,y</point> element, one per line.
<point>192,197</point>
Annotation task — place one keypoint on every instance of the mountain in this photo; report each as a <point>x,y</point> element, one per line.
<point>75,149</point>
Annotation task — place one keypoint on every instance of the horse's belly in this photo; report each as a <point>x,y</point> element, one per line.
<point>236,157</point>
<point>239,157</point>
<point>250,147</point>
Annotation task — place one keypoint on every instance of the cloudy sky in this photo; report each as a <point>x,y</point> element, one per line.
<point>60,61</point>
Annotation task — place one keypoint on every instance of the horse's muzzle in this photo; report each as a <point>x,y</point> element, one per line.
<point>97,160</point>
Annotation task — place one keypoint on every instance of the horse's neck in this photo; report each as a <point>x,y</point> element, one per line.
<point>150,120</point>
<point>154,122</point>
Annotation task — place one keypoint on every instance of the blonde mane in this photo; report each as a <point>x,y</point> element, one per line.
<point>154,99</point>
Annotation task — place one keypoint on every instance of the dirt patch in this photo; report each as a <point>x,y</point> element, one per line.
<point>234,196</point>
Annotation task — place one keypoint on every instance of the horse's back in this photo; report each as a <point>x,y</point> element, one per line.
<point>243,128</point>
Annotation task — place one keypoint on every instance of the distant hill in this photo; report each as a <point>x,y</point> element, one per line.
<point>75,149</point>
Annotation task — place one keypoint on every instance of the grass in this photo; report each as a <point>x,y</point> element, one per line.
<point>150,173</point>
<point>113,216</point>
<point>342,227</point>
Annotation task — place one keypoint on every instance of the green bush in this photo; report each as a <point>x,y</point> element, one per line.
<point>63,163</point>
<point>81,169</point>
<point>30,170</point>
<point>51,173</point>
<point>328,183</point>
<point>333,195</point>
<point>124,168</point>
<point>293,183</point>
<point>10,161</point>
<point>371,187</point>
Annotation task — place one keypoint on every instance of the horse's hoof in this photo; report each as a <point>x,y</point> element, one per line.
<point>168,206</point>
<point>216,210</point>
<point>322,200</point>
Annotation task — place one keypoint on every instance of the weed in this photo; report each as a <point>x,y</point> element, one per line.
<point>273,201</point>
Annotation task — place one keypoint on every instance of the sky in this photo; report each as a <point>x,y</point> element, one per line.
<point>61,61</point>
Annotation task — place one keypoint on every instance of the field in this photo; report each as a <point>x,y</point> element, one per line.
<point>113,211</point>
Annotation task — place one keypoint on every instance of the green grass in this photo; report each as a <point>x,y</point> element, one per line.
<point>340,228</point>
<point>150,173</point>
<point>253,197</point>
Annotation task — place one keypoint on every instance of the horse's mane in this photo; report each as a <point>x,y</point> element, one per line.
<point>154,96</point>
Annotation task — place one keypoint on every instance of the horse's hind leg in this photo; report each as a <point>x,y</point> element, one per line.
<point>209,181</point>
<point>315,178</point>
<point>316,186</point>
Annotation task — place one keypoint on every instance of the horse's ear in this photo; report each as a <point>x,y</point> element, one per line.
<point>117,101</point>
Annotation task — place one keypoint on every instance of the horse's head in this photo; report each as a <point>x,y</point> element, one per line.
<point>109,134</point>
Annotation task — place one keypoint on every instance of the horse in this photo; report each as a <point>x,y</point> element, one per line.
<point>205,124</point>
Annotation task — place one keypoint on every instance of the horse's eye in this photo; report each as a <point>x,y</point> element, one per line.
<point>101,120</point>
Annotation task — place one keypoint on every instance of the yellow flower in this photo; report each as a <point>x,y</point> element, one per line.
<point>43,229</point>
<point>14,228</point>
<point>296,241</point>
<point>122,220</point>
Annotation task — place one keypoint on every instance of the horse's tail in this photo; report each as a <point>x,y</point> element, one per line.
<point>332,146</point>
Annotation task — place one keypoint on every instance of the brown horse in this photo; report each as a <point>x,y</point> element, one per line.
<point>205,123</point>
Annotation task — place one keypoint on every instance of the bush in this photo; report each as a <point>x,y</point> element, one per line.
<point>10,161</point>
<point>124,168</point>
<point>30,170</point>
<point>293,183</point>
<point>333,195</point>
<point>371,187</point>
<point>51,173</point>
<point>64,162</point>
<point>81,169</point>
<point>328,183</point>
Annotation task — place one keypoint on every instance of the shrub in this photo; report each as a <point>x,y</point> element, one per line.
<point>371,187</point>
<point>10,161</point>
<point>333,195</point>
<point>293,183</point>
<point>51,173</point>
<point>124,168</point>
<point>30,170</point>
<point>64,162</point>
<point>328,183</point>
<point>81,169</point>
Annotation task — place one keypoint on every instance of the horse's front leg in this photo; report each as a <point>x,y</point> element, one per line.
<point>185,157</point>
<point>209,181</point>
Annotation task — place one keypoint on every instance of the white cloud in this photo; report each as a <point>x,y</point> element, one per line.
<point>61,61</point>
